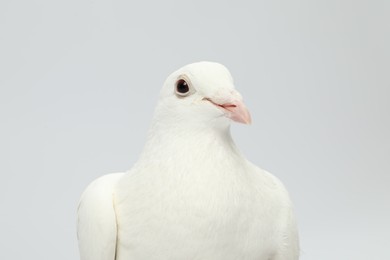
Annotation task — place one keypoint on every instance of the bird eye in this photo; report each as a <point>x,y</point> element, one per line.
<point>182,87</point>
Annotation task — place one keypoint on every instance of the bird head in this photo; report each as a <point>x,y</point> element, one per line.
<point>202,93</point>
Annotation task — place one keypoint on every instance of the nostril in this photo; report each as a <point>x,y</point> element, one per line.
<point>226,105</point>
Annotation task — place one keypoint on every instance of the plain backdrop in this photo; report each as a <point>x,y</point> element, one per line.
<point>79,81</point>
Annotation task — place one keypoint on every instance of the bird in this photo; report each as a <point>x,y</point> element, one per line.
<point>192,194</point>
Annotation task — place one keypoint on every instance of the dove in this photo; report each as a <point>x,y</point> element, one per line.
<point>192,194</point>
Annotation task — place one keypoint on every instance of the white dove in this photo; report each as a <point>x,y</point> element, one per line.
<point>192,194</point>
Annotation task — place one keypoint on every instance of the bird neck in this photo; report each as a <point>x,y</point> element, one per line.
<point>188,142</point>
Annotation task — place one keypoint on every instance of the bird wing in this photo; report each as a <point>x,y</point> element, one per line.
<point>97,226</point>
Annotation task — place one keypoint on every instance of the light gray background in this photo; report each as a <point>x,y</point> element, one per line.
<point>80,79</point>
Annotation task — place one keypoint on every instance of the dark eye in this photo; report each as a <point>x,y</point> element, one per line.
<point>182,87</point>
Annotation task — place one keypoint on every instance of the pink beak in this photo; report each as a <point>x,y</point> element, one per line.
<point>235,110</point>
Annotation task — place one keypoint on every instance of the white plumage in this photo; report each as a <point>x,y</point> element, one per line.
<point>192,194</point>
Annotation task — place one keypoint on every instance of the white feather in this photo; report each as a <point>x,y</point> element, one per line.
<point>97,227</point>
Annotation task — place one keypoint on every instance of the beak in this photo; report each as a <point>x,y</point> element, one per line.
<point>234,109</point>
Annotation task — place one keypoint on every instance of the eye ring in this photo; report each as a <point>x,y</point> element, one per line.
<point>182,88</point>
